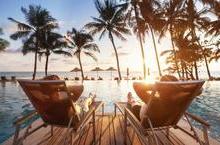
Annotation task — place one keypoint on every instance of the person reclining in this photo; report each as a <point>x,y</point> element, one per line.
<point>144,91</point>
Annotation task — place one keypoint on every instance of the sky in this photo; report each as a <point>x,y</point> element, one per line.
<point>74,13</point>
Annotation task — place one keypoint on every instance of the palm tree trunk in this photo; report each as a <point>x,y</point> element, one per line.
<point>187,74</point>
<point>155,49</point>
<point>174,51</point>
<point>206,62</point>
<point>116,54</point>
<point>196,70</point>
<point>140,42</point>
<point>205,58</point>
<point>35,63</point>
<point>182,68</point>
<point>46,65</point>
<point>207,66</point>
<point>80,63</point>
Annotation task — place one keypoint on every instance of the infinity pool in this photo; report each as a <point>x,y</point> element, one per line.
<point>14,103</point>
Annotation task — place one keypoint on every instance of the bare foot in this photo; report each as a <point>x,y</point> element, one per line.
<point>130,98</point>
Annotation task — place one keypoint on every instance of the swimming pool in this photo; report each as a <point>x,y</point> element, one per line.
<point>14,103</point>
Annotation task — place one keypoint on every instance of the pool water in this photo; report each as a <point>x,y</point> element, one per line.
<point>14,103</point>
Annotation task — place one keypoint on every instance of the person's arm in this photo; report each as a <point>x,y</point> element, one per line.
<point>143,90</point>
<point>75,91</point>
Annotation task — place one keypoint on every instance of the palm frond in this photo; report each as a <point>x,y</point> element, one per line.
<point>118,35</point>
<point>91,46</point>
<point>20,34</point>
<point>65,53</point>
<point>22,26</point>
<point>166,52</point>
<point>103,33</point>
<point>3,44</point>
<point>91,55</point>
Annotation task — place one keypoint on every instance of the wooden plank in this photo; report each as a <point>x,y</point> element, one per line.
<point>105,132</point>
<point>109,131</point>
<point>118,131</point>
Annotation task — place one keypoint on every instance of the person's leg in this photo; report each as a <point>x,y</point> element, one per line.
<point>134,106</point>
<point>136,111</point>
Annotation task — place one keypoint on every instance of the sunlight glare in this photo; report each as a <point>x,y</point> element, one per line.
<point>149,80</point>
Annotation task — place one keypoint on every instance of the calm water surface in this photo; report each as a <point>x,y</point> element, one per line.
<point>14,103</point>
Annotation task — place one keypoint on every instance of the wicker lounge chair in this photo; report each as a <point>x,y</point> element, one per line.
<point>55,107</point>
<point>166,105</point>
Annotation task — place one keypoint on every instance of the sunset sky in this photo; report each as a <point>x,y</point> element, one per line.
<point>73,13</point>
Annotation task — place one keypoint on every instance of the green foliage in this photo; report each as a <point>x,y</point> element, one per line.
<point>3,43</point>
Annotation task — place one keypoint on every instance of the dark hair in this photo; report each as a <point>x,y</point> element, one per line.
<point>51,77</point>
<point>168,78</point>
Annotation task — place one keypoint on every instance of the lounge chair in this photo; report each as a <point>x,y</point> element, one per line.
<point>167,104</point>
<point>55,107</point>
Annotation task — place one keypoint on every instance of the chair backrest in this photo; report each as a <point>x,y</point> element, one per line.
<point>51,100</point>
<point>170,102</point>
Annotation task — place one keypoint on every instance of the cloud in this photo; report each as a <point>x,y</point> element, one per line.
<point>9,28</point>
<point>120,54</point>
<point>10,50</point>
<point>54,59</point>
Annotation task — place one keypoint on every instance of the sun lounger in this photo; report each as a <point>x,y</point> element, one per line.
<point>55,107</point>
<point>167,104</point>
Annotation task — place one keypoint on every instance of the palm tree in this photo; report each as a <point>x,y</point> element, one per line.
<point>38,21</point>
<point>150,10</point>
<point>52,43</point>
<point>172,12</point>
<point>110,21</point>
<point>138,27</point>
<point>187,54</point>
<point>83,43</point>
<point>197,22</point>
<point>3,43</point>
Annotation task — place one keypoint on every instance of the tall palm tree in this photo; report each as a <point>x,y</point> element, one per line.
<point>111,22</point>
<point>138,27</point>
<point>38,21</point>
<point>149,10</point>
<point>196,22</point>
<point>3,43</point>
<point>83,43</point>
<point>187,54</point>
<point>172,12</point>
<point>53,43</point>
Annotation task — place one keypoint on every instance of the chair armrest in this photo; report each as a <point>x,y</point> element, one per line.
<point>134,121</point>
<point>21,120</point>
<point>93,109</point>
<point>197,119</point>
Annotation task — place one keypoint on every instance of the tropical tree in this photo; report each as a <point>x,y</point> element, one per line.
<point>38,22</point>
<point>52,43</point>
<point>197,21</point>
<point>150,11</point>
<point>110,21</point>
<point>82,42</point>
<point>172,13</point>
<point>186,55</point>
<point>138,26</point>
<point>3,43</point>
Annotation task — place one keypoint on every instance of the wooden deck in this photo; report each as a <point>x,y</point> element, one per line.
<point>109,131</point>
